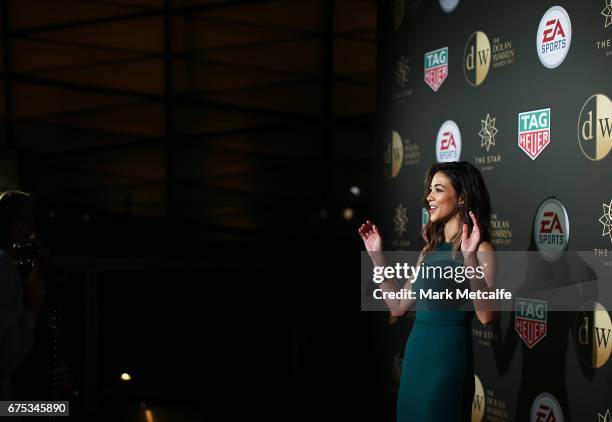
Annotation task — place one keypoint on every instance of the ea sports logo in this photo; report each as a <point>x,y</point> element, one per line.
<point>448,143</point>
<point>554,37</point>
<point>546,408</point>
<point>448,5</point>
<point>551,229</point>
<point>550,223</point>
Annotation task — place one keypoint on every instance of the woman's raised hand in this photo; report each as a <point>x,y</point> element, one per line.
<point>470,243</point>
<point>371,237</point>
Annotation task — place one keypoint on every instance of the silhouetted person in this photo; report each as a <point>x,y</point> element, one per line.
<point>19,299</point>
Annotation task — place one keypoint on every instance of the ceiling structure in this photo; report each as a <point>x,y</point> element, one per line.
<point>234,114</point>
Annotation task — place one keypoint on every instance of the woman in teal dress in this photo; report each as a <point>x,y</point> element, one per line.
<point>437,379</point>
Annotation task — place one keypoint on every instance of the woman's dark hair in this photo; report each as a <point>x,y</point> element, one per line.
<point>470,186</point>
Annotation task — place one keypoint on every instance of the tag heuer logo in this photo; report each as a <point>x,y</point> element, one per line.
<point>436,67</point>
<point>534,131</point>
<point>530,320</point>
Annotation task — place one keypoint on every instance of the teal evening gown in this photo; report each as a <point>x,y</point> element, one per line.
<point>437,378</point>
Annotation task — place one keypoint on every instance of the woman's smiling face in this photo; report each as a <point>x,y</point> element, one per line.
<point>442,198</point>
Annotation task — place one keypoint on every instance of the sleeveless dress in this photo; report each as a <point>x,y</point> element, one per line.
<point>437,378</point>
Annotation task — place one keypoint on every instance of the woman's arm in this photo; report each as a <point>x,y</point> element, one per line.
<point>477,253</point>
<point>397,306</point>
<point>485,258</point>
<point>373,242</point>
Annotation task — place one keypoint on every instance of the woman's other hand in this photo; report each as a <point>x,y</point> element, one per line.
<point>469,244</point>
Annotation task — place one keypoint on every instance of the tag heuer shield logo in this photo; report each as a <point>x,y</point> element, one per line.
<point>436,67</point>
<point>530,320</point>
<point>534,131</point>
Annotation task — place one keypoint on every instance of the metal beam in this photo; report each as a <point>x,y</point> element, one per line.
<point>169,111</point>
<point>253,68</point>
<point>154,13</point>
<point>143,140</point>
<point>256,44</point>
<point>280,84</point>
<point>148,96</point>
<point>91,65</point>
<point>193,140</point>
<point>8,82</point>
<point>256,25</point>
<point>327,106</point>
<point>189,56</point>
<point>273,166</point>
<point>55,114</point>
<point>124,5</point>
<point>77,44</point>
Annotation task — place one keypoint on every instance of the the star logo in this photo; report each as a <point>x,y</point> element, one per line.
<point>606,220</point>
<point>400,219</point>
<point>607,12</point>
<point>487,132</point>
<point>605,418</point>
<point>401,72</point>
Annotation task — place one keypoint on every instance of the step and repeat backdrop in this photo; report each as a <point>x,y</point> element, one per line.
<point>521,89</point>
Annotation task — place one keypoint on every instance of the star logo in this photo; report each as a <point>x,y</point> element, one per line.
<point>605,418</point>
<point>401,72</point>
<point>607,12</point>
<point>487,132</point>
<point>400,220</point>
<point>606,221</point>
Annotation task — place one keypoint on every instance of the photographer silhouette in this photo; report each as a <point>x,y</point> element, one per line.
<point>20,299</point>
